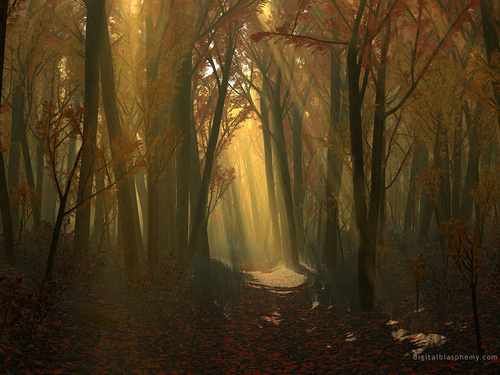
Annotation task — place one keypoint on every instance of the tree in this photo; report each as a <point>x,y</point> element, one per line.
<point>366,56</point>
<point>53,129</point>
<point>126,201</point>
<point>92,48</point>
<point>4,191</point>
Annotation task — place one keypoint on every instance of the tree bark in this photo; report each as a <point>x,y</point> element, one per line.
<point>298,180</point>
<point>212,145</point>
<point>284,172</point>
<point>491,40</point>
<point>472,173</point>
<point>334,169</point>
<point>15,139</point>
<point>420,158</point>
<point>271,191</point>
<point>8,233</point>
<point>181,119</point>
<point>125,199</point>
<point>92,56</point>
<point>195,188</point>
<point>456,171</point>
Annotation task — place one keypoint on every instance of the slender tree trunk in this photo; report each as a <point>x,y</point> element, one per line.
<point>271,191</point>
<point>212,144</point>
<point>284,172</point>
<point>365,284</point>
<point>15,139</point>
<point>298,188</point>
<point>420,158</point>
<point>181,118</point>
<point>49,198</point>
<point>8,233</point>
<point>240,226</point>
<point>55,239</point>
<point>253,195</point>
<point>491,39</point>
<point>40,157</point>
<point>472,173</point>
<point>425,217</point>
<point>99,222</point>
<point>456,171</point>
<point>195,188</point>
<point>28,168</point>
<point>442,161</point>
<point>153,215</point>
<point>92,51</point>
<point>125,199</point>
<point>142,192</point>
<point>476,322</point>
<point>334,169</point>
<point>135,210</point>
<point>382,224</point>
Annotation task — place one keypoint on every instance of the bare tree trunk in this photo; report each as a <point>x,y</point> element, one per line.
<point>142,192</point>
<point>253,197</point>
<point>92,52</point>
<point>181,119</point>
<point>420,157</point>
<point>491,39</point>
<point>99,222</point>
<point>195,188</point>
<point>8,233</point>
<point>334,169</point>
<point>298,188</point>
<point>201,205</point>
<point>456,171</point>
<point>15,139</point>
<point>472,173</point>
<point>284,172</point>
<point>271,191</point>
<point>125,199</point>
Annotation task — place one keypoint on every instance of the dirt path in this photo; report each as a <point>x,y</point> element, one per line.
<point>272,326</point>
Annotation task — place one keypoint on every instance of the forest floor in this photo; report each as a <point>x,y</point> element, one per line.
<point>271,326</point>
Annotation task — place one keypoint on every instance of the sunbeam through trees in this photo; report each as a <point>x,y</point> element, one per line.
<point>249,186</point>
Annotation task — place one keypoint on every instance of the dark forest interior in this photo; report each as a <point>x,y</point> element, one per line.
<point>249,186</point>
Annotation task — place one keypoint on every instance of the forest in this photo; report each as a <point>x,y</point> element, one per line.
<point>249,186</point>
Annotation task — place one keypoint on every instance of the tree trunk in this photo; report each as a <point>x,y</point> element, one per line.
<point>99,222</point>
<point>142,192</point>
<point>40,157</point>
<point>181,118</point>
<point>92,51</point>
<point>55,238</point>
<point>298,188</point>
<point>49,198</point>
<point>271,191</point>
<point>334,169</point>
<point>491,40</point>
<point>472,173</point>
<point>8,233</point>
<point>125,199</point>
<point>456,171</point>
<point>201,204</point>
<point>253,196</point>
<point>135,210</point>
<point>195,188</point>
<point>284,172</point>
<point>15,139</point>
<point>420,158</point>
<point>28,168</point>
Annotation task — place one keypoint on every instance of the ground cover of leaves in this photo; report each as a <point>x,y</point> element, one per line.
<point>263,330</point>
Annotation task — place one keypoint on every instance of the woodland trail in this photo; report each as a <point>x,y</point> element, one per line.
<point>264,330</point>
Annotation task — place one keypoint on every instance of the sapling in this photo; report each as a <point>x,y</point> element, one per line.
<point>466,254</point>
<point>418,269</point>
